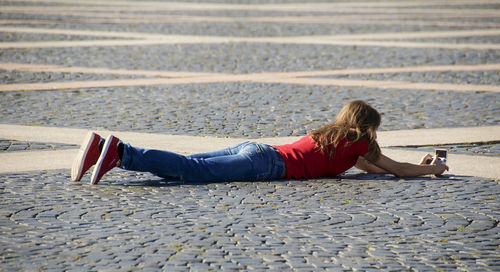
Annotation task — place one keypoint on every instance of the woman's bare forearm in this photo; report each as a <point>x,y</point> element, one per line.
<point>404,169</point>
<point>415,170</point>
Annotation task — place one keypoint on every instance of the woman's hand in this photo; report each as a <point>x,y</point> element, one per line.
<point>439,167</point>
<point>425,158</point>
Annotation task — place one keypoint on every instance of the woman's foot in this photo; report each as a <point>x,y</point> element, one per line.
<point>87,156</point>
<point>108,160</point>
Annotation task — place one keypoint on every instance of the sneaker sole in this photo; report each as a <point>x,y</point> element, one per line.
<point>76,170</point>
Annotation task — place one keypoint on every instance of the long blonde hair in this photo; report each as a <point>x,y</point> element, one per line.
<point>356,121</point>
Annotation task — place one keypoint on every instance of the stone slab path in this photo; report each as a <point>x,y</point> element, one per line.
<point>472,165</point>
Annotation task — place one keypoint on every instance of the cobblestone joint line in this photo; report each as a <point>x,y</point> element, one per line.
<point>290,77</point>
<point>156,39</point>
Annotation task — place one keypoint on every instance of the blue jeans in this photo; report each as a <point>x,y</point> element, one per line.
<point>247,161</point>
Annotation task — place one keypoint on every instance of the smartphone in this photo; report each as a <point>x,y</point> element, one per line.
<point>442,155</point>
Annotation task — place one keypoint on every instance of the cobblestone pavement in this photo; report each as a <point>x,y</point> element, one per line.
<point>288,54</point>
<point>136,222</point>
<point>238,110</point>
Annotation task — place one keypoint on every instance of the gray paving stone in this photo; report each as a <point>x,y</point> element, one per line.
<point>163,109</point>
<point>258,244</point>
<point>481,77</point>
<point>246,57</point>
<point>18,77</point>
<point>247,29</point>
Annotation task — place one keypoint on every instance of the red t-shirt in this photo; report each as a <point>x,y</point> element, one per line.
<point>304,160</point>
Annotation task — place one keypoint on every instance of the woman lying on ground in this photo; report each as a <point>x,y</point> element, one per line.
<point>326,152</point>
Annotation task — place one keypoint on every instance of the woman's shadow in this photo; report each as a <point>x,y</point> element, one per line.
<point>173,182</point>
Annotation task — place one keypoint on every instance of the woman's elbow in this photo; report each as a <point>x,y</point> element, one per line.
<point>402,171</point>
<point>399,174</point>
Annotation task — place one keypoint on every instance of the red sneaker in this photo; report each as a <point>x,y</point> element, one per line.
<point>87,156</point>
<point>108,160</point>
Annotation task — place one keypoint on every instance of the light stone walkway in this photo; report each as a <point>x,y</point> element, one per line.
<point>481,166</point>
<point>115,58</point>
<point>141,39</point>
<point>302,78</point>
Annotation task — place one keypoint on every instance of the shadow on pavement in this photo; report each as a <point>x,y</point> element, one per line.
<point>170,182</point>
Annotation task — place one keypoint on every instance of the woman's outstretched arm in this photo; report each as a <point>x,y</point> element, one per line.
<point>370,168</point>
<point>403,169</point>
